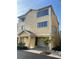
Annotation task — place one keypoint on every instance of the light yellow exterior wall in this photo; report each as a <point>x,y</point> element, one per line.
<point>54,21</point>
<point>55,25</point>
<point>32,42</point>
<point>44,30</point>
<point>19,25</point>
<point>31,23</point>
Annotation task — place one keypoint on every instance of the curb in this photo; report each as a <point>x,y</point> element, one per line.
<point>33,51</point>
<point>38,52</point>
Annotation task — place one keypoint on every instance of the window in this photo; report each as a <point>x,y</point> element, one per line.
<point>42,13</point>
<point>22,18</point>
<point>42,24</point>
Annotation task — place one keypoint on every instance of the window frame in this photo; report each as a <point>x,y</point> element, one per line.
<point>42,13</point>
<point>42,24</point>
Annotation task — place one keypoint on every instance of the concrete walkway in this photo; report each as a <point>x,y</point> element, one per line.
<point>56,54</point>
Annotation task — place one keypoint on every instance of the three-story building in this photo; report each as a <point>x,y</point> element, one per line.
<point>37,25</point>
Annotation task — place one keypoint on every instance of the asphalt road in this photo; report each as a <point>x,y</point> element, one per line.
<point>29,55</point>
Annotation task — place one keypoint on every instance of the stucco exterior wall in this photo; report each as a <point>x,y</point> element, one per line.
<point>54,21</point>
<point>19,25</point>
<point>32,42</point>
<point>55,40</point>
<point>31,23</point>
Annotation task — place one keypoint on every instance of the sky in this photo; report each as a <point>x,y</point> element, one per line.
<point>25,5</point>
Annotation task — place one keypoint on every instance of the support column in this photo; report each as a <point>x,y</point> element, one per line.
<point>50,43</point>
<point>50,18</point>
<point>29,41</point>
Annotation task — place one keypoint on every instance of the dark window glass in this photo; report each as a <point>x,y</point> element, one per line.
<point>22,19</point>
<point>42,13</point>
<point>42,24</point>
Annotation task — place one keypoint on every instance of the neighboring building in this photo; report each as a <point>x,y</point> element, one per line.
<point>36,25</point>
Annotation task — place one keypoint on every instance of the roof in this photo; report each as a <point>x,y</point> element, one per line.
<point>28,32</point>
<point>22,16</point>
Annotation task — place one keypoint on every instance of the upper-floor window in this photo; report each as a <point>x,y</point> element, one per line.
<point>42,13</point>
<point>22,19</point>
<point>42,24</point>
